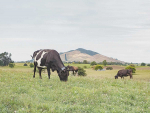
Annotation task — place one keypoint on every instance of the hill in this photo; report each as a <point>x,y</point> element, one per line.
<point>81,54</point>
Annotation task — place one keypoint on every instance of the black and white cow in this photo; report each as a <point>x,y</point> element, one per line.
<point>50,59</point>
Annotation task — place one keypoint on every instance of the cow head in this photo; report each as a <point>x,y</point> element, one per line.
<point>116,77</point>
<point>63,74</point>
<point>130,70</point>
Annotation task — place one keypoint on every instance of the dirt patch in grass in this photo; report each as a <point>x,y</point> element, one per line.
<point>115,67</point>
<point>143,68</point>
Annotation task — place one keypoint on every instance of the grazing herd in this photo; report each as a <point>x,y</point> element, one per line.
<point>50,59</point>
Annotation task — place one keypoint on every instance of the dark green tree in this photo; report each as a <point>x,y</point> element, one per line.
<point>104,63</point>
<point>143,64</point>
<point>79,62</point>
<point>85,62</point>
<point>5,58</point>
<point>1,63</point>
<point>93,63</point>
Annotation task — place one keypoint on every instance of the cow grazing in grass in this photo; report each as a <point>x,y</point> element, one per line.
<point>124,73</point>
<point>49,59</point>
<point>73,69</point>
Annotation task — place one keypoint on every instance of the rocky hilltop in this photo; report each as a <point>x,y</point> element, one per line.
<point>81,54</point>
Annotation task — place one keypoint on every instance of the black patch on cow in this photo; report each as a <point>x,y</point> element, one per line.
<point>52,61</point>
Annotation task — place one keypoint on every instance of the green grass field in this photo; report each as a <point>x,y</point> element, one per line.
<point>95,93</point>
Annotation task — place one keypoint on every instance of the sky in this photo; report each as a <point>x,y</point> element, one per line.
<point>114,28</point>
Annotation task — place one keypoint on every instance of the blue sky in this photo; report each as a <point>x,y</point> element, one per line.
<point>114,28</point>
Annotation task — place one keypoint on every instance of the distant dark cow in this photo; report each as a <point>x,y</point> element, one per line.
<point>50,59</point>
<point>124,73</point>
<point>73,69</point>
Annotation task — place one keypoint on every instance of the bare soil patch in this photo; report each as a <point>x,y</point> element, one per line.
<point>115,67</point>
<point>143,68</point>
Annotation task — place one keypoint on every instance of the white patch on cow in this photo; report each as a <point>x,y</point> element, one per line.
<point>63,68</point>
<point>36,56</point>
<point>39,60</point>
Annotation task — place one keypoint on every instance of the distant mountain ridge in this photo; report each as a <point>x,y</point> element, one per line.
<point>89,52</point>
<point>81,54</point>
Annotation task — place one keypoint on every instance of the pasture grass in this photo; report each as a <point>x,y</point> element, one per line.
<point>97,92</point>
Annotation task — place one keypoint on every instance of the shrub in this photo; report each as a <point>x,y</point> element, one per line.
<point>130,67</point>
<point>148,64</point>
<point>93,67</point>
<point>81,72</point>
<point>25,64</point>
<point>31,65</point>
<point>98,67</point>
<point>109,68</point>
<point>11,65</point>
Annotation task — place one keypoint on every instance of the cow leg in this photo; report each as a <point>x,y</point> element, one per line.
<point>77,72</point>
<point>35,64</point>
<point>73,72</point>
<point>131,77</point>
<point>121,76</point>
<point>48,71</point>
<point>40,69</point>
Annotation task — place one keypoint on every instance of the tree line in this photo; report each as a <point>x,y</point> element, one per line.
<point>105,63</point>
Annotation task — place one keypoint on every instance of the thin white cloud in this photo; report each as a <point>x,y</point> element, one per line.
<point>118,29</point>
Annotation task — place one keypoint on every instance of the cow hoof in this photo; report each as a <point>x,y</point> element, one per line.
<point>33,76</point>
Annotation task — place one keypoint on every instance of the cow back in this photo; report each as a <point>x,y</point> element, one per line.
<point>123,72</point>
